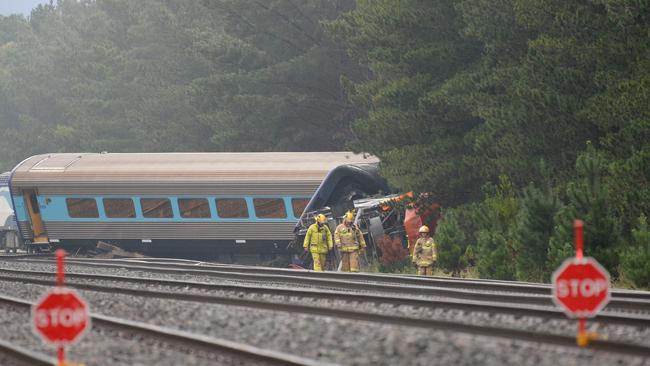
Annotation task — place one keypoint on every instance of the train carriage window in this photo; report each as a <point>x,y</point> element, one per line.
<point>232,208</point>
<point>119,208</point>
<point>270,208</point>
<point>156,208</point>
<point>194,208</point>
<point>82,208</point>
<point>299,205</point>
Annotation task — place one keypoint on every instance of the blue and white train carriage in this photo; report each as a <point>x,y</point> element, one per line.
<point>177,203</point>
<point>9,238</point>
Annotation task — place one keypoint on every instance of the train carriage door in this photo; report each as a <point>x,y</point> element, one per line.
<point>31,203</point>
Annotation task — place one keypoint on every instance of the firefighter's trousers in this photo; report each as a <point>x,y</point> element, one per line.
<point>319,261</point>
<point>350,261</point>
<point>425,270</point>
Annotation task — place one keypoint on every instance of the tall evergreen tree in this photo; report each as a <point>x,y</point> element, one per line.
<point>495,244</point>
<point>533,230</point>
<point>635,259</point>
<point>281,87</point>
<point>412,49</point>
<point>589,201</point>
<point>451,244</point>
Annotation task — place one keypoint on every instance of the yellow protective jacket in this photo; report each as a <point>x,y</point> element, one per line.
<point>425,252</point>
<point>318,240</point>
<point>348,239</point>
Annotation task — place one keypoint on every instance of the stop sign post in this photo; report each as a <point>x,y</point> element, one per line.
<point>581,286</point>
<point>60,316</point>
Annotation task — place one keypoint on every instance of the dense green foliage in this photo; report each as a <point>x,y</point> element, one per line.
<point>413,122</point>
<point>587,199</point>
<point>533,229</point>
<point>517,115</point>
<point>172,75</point>
<point>524,114</point>
<point>452,244</point>
<point>635,259</point>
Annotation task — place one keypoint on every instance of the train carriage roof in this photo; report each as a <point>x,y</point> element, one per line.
<point>116,173</point>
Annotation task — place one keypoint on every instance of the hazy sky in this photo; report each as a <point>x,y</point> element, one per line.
<point>19,6</point>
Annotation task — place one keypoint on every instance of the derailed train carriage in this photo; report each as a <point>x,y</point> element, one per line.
<point>181,203</point>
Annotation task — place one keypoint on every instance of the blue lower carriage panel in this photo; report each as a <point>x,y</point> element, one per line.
<point>198,249</point>
<point>176,237</point>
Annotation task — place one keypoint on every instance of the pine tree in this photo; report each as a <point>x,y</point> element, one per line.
<point>635,259</point>
<point>534,227</point>
<point>588,200</point>
<point>495,251</point>
<point>451,244</point>
<point>495,259</point>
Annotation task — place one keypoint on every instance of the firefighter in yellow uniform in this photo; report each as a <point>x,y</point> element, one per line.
<point>349,241</point>
<point>318,241</point>
<point>424,252</point>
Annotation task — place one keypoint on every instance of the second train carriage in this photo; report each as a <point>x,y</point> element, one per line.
<point>174,203</point>
<point>9,238</point>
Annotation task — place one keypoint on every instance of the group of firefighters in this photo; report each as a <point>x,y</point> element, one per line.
<point>350,244</point>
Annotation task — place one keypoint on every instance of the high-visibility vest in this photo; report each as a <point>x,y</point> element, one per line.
<point>318,240</point>
<point>348,239</point>
<point>425,252</point>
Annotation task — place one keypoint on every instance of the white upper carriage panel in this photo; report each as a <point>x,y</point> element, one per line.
<point>195,173</point>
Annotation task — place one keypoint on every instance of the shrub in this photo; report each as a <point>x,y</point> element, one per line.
<point>394,257</point>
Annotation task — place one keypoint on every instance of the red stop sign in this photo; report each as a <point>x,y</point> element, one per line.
<point>581,287</point>
<point>60,316</point>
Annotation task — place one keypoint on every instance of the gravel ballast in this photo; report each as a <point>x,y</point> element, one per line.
<point>325,338</point>
<point>628,334</point>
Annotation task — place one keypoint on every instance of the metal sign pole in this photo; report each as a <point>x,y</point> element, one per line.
<point>60,278</point>
<point>578,227</point>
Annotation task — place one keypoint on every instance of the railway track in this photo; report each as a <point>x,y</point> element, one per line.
<point>356,283</point>
<point>398,320</point>
<point>437,282</point>
<point>77,280</point>
<point>45,279</point>
<point>236,350</point>
<point>25,356</point>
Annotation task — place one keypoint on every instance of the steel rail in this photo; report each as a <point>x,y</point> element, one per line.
<point>23,354</point>
<point>606,317</point>
<point>450,282</point>
<point>445,282</point>
<point>25,256</point>
<point>432,324</point>
<point>437,282</point>
<point>394,279</point>
<point>190,339</point>
<point>616,303</point>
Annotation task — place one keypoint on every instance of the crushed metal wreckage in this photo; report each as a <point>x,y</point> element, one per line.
<point>386,220</point>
